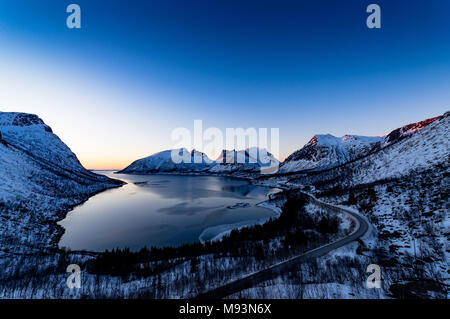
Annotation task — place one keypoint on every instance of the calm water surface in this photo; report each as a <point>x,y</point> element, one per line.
<point>160,210</point>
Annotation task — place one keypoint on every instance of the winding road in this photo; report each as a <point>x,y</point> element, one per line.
<point>249,281</point>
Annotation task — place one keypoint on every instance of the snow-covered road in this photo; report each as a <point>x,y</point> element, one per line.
<point>251,280</point>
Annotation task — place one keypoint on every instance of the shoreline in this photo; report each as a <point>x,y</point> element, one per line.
<point>60,230</point>
<point>213,233</point>
<point>218,232</point>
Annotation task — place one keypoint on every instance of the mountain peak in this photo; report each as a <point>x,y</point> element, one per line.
<point>408,129</point>
<point>22,120</point>
<point>325,150</point>
<point>312,141</point>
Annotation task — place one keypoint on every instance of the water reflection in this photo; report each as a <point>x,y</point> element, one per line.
<point>159,210</point>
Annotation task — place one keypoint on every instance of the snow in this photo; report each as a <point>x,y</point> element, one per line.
<point>239,205</point>
<point>330,140</point>
<point>30,134</point>
<point>218,232</point>
<point>250,160</point>
<point>162,162</point>
<point>41,180</point>
<point>324,151</point>
<point>417,151</point>
<point>421,150</point>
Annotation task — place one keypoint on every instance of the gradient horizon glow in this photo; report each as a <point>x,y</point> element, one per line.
<point>114,90</point>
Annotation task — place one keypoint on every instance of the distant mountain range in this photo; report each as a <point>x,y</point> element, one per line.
<point>162,162</point>
<point>323,151</point>
<point>251,160</point>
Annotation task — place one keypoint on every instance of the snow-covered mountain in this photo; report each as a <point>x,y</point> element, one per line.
<point>400,184</point>
<point>28,133</point>
<point>421,147</point>
<point>419,150</point>
<point>406,130</point>
<point>193,161</point>
<point>324,151</point>
<point>40,180</point>
<point>402,189</point>
<point>250,160</point>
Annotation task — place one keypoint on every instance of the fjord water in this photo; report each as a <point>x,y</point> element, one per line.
<point>161,210</point>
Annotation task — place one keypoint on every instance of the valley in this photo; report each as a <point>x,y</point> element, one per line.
<point>397,185</point>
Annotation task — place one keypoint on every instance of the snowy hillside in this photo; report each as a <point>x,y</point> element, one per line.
<point>399,183</point>
<point>406,130</point>
<point>41,180</point>
<point>29,133</point>
<point>419,150</point>
<point>403,191</point>
<point>324,151</point>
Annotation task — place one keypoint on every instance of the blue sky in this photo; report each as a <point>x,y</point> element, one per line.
<point>115,89</point>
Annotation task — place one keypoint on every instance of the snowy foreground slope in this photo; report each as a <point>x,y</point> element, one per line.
<point>402,189</point>
<point>251,160</point>
<point>40,180</point>
<point>327,151</point>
